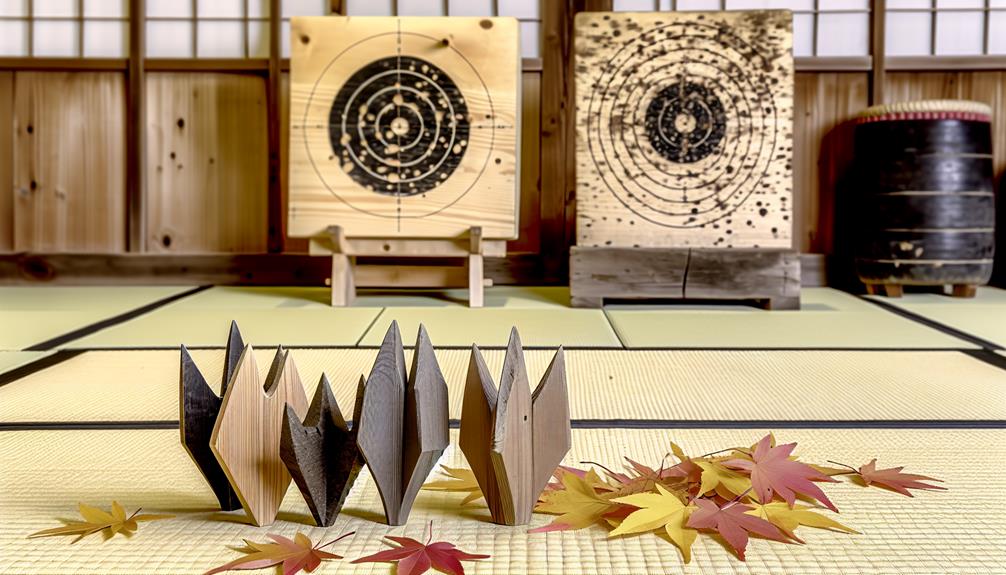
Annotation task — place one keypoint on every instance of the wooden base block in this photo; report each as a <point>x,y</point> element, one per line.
<point>965,290</point>
<point>770,277</point>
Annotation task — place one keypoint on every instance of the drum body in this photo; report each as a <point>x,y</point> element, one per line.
<point>925,194</point>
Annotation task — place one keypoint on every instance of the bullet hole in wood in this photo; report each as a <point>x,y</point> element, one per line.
<point>305,39</point>
<point>486,24</point>
<point>166,241</point>
<point>181,123</point>
<point>30,129</point>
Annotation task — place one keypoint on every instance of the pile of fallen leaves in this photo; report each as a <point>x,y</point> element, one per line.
<point>734,493</point>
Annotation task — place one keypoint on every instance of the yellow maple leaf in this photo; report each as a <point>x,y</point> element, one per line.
<point>96,520</point>
<point>460,479</point>
<point>727,483</point>
<point>656,510</point>
<point>778,513</point>
<point>578,505</point>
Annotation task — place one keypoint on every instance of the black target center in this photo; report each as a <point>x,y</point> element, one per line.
<point>399,126</point>
<point>685,122</point>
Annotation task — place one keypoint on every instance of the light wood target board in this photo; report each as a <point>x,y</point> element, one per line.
<point>684,129</point>
<point>404,127</point>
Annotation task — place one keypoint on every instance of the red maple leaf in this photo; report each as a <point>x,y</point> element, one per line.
<point>772,471</point>
<point>732,522</point>
<point>415,557</point>
<point>893,479</point>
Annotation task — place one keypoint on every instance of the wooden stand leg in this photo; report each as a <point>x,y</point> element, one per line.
<point>476,287</point>
<point>893,290</point>
<point>873,289</point>
<point>587,302</point>
<point>343,286</point>
<point>965,290</point>
<point>781,303</point>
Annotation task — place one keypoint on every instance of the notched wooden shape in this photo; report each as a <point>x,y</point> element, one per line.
<point>514,439</point>
<point>246,437</point>
<point>199,407</point>
<point>403,421</point>
<point>321,453</point>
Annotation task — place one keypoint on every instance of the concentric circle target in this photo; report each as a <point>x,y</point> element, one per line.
<point>680,125</point>
<point>400,126</point>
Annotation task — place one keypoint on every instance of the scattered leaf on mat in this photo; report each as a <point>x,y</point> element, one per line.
<point>726,482</point>
<point>460,479</point>
<point>787,518</point>
<point>297,555</point>
<point>414,557</point>
<point>97,520</point>
<point>578,505</point>
<point>732,522</point>
<point>772,471</point>
<point>893,479</point>
<point>659,510</point>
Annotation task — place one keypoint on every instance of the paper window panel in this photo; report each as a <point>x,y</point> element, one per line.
<point>958,4</point>
<point>221,9</point>
<point>470,7</point>
<point>530,39</point>
<point>803,34</point>
<point>826,5</point>
<point>634,5</point>
<point>284,38</point>
<point>842,34</point>
<point>997,3</point>
<point>14,8</point>
<point>689,5</point>
<point>104,39</point>
<point>55,38</point>
<point>106,9</point>
<point>997,33</point>
<point>217,39</point>
<point>908,34</point>
<point>54,8</point>
<point>899,4</point>
<point>806,5</point>
<point>13,38</point>
<point>258,39</point>
<point>258,8</point>
<point>959,33</point>
<point>520,8</point>
<point>304,8</point>
<point>170,9</point>
<point>169,39</point>
<point>368,7</point>
<point>420,8</point>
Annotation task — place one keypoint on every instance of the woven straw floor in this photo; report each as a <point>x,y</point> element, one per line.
<point>934,532</point>
<point>981,316</point>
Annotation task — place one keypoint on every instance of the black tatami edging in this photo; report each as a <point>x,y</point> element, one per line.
<point>38,365</point>
<point>87,330</point>
<point>656,424</point>
<point>942,327</point>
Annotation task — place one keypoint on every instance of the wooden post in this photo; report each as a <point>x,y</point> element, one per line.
<point>476,273</point>
<point>878,50</point>
<point>276,213</point>
<point>136,122</point>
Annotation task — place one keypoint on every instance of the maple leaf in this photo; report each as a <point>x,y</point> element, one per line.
<point>893,479</point>
<point>96,520</point>
<point>732,522</point>
<point>460,479</point>
<point>295,555</point>
<point>660,509</point>
<point>578,505</point>
<point>772,471</point>
<point>787,519</point>
<point>727,483</point>
<point>414,557</point>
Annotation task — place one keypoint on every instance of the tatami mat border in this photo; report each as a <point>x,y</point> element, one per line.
<point>931,323</point>
<point>38,365</point>
<point>595,424</point>
<point>87,330</point>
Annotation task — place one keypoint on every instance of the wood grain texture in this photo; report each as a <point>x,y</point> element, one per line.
<point>377,183</point>
<point>69,170</point>
<point>199,407</point>
<point>207,163</point>
<point>684,129</point>
<point>6,162</point>
<point>321,454</point>
<point>771,276</point>
<point>513,439</point>
<point>403,421</point>
<point>247,435</point>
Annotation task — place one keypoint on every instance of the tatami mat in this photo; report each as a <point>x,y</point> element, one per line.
<point>458,326</point>
<point>234,297</point>
<point>31,315</point>
<point>10,360</point>
<point>48,472</point>
<point>171,326</point>
<point>828,319</point>
<point>603,384</point>
<point>983,316</point>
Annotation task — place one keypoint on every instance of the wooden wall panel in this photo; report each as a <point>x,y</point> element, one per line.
<point>982,86</point>
<point>822,151</point>
<point>69,171</point>
<point>207,163</point>
<point>529,239</point>
<point>6,162</point>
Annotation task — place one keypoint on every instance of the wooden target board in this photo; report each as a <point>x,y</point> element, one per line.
<point>404,127</point>
<point>684,129</point>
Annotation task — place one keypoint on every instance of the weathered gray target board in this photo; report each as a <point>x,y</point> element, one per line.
<point>684,129</point>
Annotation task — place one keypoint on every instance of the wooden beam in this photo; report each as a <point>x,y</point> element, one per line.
<point>878,76</point>
<point>277,215</point>
<point>336,6</point>
<point>136,122</point>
